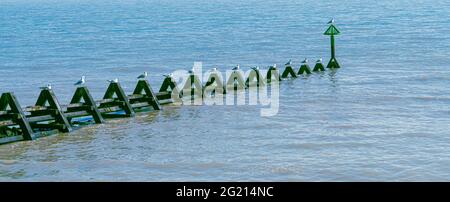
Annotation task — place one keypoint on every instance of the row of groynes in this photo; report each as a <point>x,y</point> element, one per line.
<point>48,117</point>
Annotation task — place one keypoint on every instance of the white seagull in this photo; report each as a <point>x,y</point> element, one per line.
<point>255,68</point>
<point>48,87</point>
<point>236,68</point>
<point>274,66</point>
<point>319,60</point>
<point>116,80</point>
<point>81,81</point>
<point>331,21</point>
<point>305,61</point>
<point>143,76</point>
<point>214,69</point>
<point>191,71</point>
<point>168,75</point>
<point>288,63</point>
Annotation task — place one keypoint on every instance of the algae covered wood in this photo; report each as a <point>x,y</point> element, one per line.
<point>144,87</point>
<point>254,78</point>
<point>89,105</point>
<point>272,73</point>
<point>304,69</point>
<point>115,89</point>
<point>10,100</point>
<point>47,96</point>
<point>236,81</point>
<point>288,71</point>
<point>193,87</point>
<point>318,67</point>
<point>214,84</point>
<point>169,91</point>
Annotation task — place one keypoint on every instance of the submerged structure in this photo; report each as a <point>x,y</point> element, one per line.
<point>48,116</point>
<point>332,31</point>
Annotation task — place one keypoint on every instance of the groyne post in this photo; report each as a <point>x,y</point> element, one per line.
<point>250,81</point>
<point>318,67</point>
<point>304,69</point>
<point>288,71</point>
<point>144,87</point>
<point>214,78</point>
<point>121,100</point>
<point>16,114</point>
<point>47,96</point>
<point>272,72</point>
<point>89,105</point>
<point>332,31</point>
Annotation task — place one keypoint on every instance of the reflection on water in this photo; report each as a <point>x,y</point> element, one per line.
<point>383,116</point>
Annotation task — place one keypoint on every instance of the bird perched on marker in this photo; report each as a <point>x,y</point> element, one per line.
<point>47,87</point>
<point>236,67</point>
<point>289,63</point>
<point>305,61</point>
<point>214,69</point>
<point>331,21</point>
<point>191,71</point>
<point>319,60</point>
<point>116,80</point>
<point>274,66</point>
<point>168,75</point>
<point>255,68</point>
<point>143,76</point>
<point>81,81</point>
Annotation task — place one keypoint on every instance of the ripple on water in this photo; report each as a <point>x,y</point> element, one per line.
<point>382,116</point>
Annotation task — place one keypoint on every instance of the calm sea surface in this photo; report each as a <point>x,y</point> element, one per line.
<point>384,116</point>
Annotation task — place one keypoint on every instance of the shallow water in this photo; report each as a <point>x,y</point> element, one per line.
<point>383,116</point>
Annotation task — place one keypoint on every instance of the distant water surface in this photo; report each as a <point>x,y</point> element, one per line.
<point>384,116</point>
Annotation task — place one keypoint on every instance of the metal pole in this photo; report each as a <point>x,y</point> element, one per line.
<point>332,47</point>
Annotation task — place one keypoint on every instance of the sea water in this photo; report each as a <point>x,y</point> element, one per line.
<point>385,115</point>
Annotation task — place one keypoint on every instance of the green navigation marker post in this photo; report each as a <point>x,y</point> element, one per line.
<point>331,31</point>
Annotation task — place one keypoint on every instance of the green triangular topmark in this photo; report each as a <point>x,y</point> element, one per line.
<point>332,30</point>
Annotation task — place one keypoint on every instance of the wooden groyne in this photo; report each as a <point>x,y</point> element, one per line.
<point>48,117</point>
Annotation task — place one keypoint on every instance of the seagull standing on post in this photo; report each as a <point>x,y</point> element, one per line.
<point>236,68</point>
<point>289,63</point>
<point>168,75</point>
<point>48,87</point>
<point>191,71</point>
<point>116,80</point>
<point>81,81</point>
<point>143,76</point>
<point>319,60</point>
<point>256,68</point>
<point>331,21</point>
<point>305,61</point>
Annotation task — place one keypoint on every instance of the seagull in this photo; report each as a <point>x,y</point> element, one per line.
<point>116,80</point>
<point>305,61</point>
<point>214,69</point>
<point>48,87</point>
<point>143,76</point>
<point>331,21</point>
<point>319,60</point>
<point>236,68</point>
<point>274,66</point>
<point>168,75</point>
<point>191,71</point>
<point>256,68</point>
<point>288,63</point>
<point>81,81</point>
